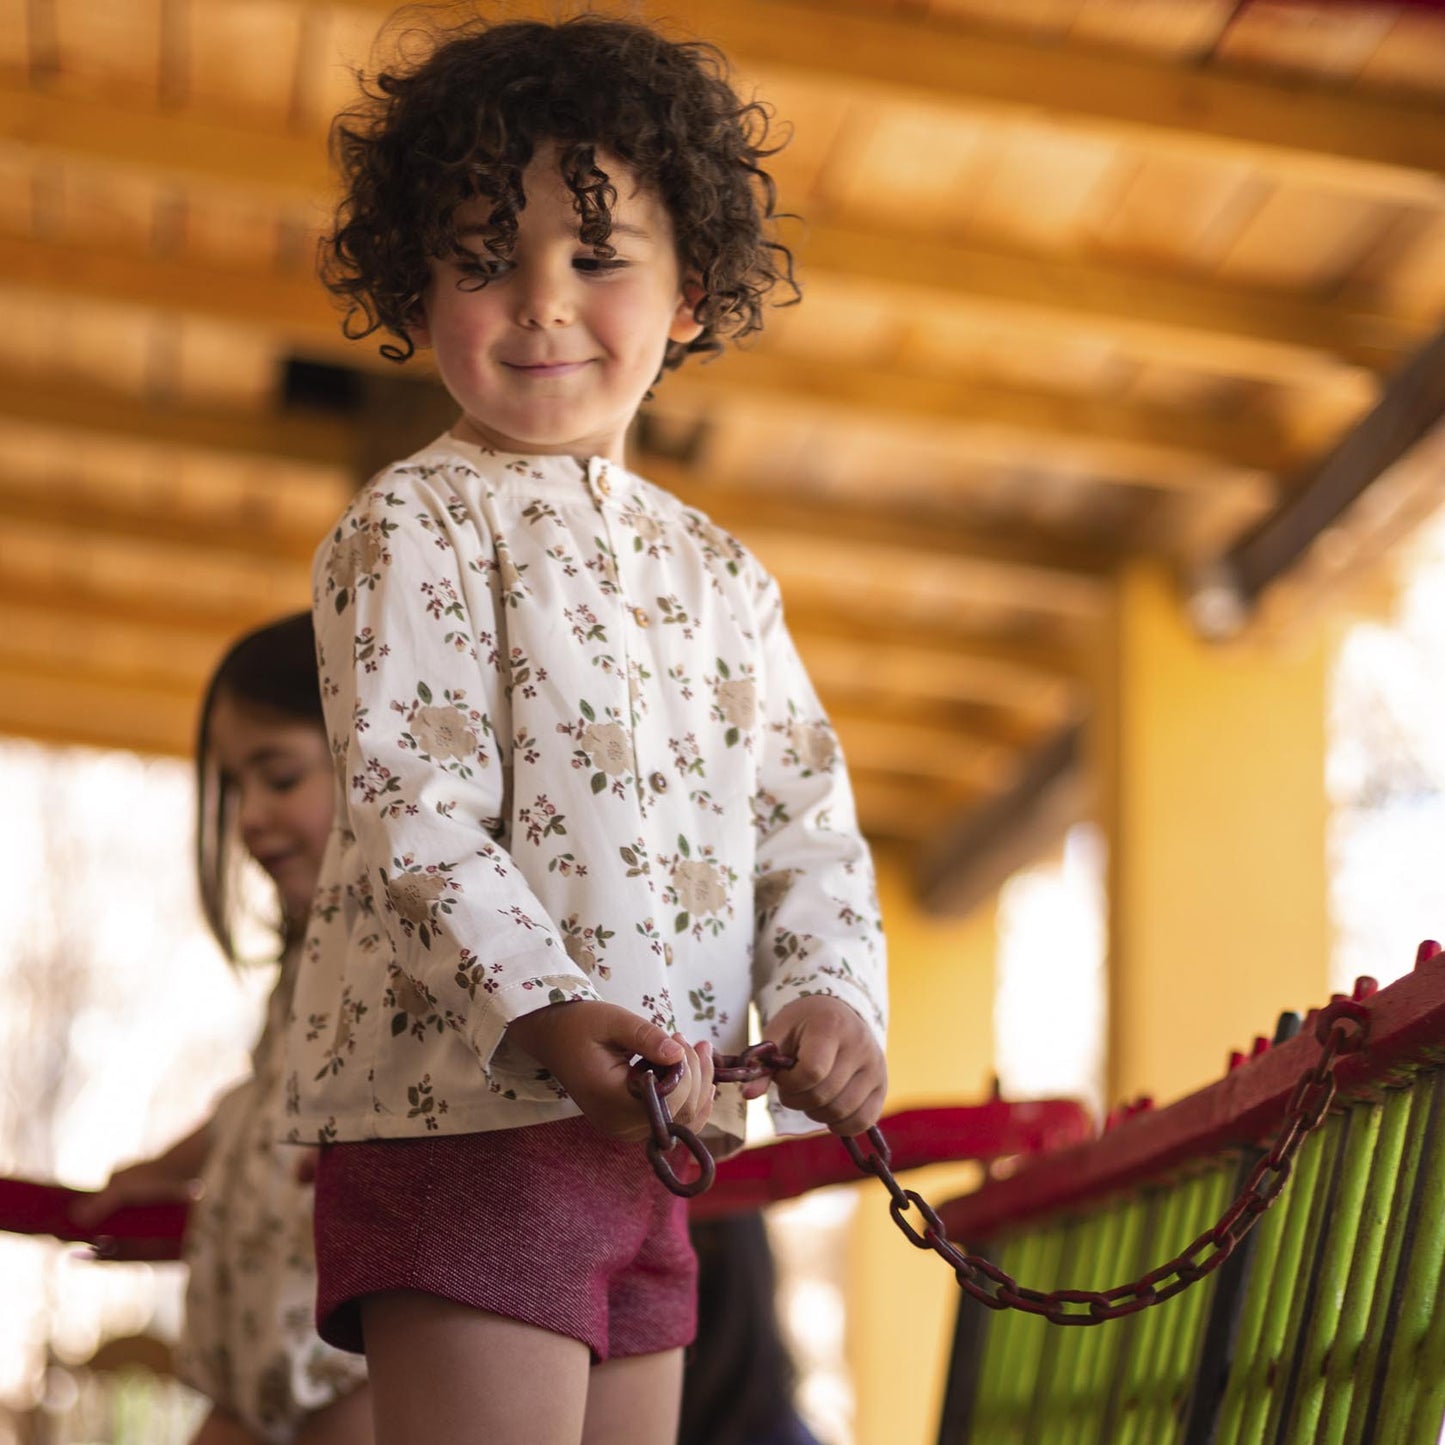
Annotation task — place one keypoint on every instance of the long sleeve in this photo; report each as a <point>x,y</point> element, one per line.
<point>414,687</point>
<point>818,926</point>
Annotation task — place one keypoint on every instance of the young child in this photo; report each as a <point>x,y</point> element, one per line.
<point>264,786</point>
<point>589,806</point>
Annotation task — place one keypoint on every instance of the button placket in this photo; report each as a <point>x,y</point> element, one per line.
<point>608,496</point>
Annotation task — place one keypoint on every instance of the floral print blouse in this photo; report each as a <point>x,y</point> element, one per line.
<point>250,1341</point>
<point>577,758</point>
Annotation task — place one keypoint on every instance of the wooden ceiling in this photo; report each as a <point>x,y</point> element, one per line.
<point>1086,281</point>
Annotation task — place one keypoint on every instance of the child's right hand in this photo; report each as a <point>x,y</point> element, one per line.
<point>149,1182</point>
<point>588,1047</point>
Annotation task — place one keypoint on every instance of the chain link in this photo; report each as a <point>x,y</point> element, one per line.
<point>1341,1028</point>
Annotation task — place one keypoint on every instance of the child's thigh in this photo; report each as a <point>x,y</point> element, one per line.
<point>635,1400</point>
<point>346,1421</point>
<point>442,1371</point>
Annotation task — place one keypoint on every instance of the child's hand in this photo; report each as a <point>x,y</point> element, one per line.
<point>150,1182</point>
<point>840,1078</point>
<point>588,1046</point>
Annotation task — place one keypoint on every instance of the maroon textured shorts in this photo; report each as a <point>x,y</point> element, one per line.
<point>554,1224</point>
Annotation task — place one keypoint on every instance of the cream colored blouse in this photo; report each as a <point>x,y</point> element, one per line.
<point>577,757</point>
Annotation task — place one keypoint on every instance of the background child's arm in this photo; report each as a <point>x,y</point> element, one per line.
<point>588,1047</point>
<point>168,1178</point>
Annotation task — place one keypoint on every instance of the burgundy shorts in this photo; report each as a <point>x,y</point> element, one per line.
<point>553,1224</point>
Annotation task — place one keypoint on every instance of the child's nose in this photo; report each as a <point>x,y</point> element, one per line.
<point>544,299</point>
<point>253,815</point>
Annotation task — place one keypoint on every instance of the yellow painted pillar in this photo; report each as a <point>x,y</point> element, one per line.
<point>1212,765</point>
<point>900,1300</point>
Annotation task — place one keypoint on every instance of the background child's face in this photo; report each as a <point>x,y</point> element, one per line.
<point>280,771</point>
<point>555,353</point>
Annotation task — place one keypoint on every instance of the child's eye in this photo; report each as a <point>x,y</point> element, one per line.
<point>482,268</point>
<point>598,265</point>
<point>283,782</point>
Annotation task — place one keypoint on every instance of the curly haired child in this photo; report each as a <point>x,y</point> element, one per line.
<point>589,807</point>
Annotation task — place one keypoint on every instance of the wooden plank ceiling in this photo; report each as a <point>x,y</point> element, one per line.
<point>1087,281</point>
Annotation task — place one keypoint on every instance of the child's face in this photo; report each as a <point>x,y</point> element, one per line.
<point>280,771</point>
<point>555,353</point>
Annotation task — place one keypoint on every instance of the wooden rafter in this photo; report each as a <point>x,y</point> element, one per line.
<point>75,405</point>
<point>1411,408</point>
<point>971,861</point>
<point>1245,330</point>
<point>1383,147</point>
<point>1148,444</point>
<point>826,521</point>
<point>1387,148</point>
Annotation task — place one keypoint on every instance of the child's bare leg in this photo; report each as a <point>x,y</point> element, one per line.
<point>635,1400</point>
<point>346,1421</point>
<point>441,1371</point>
<point>219,1429</point>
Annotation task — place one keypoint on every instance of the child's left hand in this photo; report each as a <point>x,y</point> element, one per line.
<point>840,1077</point>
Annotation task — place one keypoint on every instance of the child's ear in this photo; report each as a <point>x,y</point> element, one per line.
<point>417,329</point>
<point>685,325</point>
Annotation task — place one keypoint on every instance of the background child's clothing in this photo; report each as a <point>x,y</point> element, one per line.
<point>250,1341</point>
<point>577,758</point>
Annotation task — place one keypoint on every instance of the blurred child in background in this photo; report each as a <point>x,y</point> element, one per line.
<point>264,789</point>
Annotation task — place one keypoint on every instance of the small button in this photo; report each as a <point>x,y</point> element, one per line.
<point>640,617</point>
<point>658,782</point>
<point>604,484</point>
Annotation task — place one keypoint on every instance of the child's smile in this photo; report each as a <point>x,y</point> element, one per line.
<point>556,351</point>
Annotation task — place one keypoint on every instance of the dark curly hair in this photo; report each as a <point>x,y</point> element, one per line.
<point>465,121</point>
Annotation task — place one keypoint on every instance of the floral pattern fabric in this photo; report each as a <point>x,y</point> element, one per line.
<point>577,758</point>
<point>250,1341</point>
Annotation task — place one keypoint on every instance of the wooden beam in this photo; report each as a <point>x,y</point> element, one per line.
<point>1013,700</point>
<point>1021,660</point>
<point>756,510</point>
<point>78,405</point>
<point>1130,441</point>
<point>291,306</point>
<point>909,810</point>
<point>168,657</point>
<point>1410,410</point>
<point>182,147</point>
<point>1240,329</point>
<point>864,699</point>
<point>79,566</point>
<point>76,709</point>
<point>993,840</point>
<point>1386,147</point>
<point>1249,331</point>
<point>906,586</point>
<point>207,530</point>
<point>928,753</point>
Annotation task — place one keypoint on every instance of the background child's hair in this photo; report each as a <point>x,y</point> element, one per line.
<point>271,670</point>
<point>466,120</point>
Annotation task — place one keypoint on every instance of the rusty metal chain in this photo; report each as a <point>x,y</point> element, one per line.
<point>1342,1028</point>
<point>652,1083</point>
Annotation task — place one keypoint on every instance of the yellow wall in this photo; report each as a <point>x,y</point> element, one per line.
<point>901,1301</point>
<point>1212,766</point>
